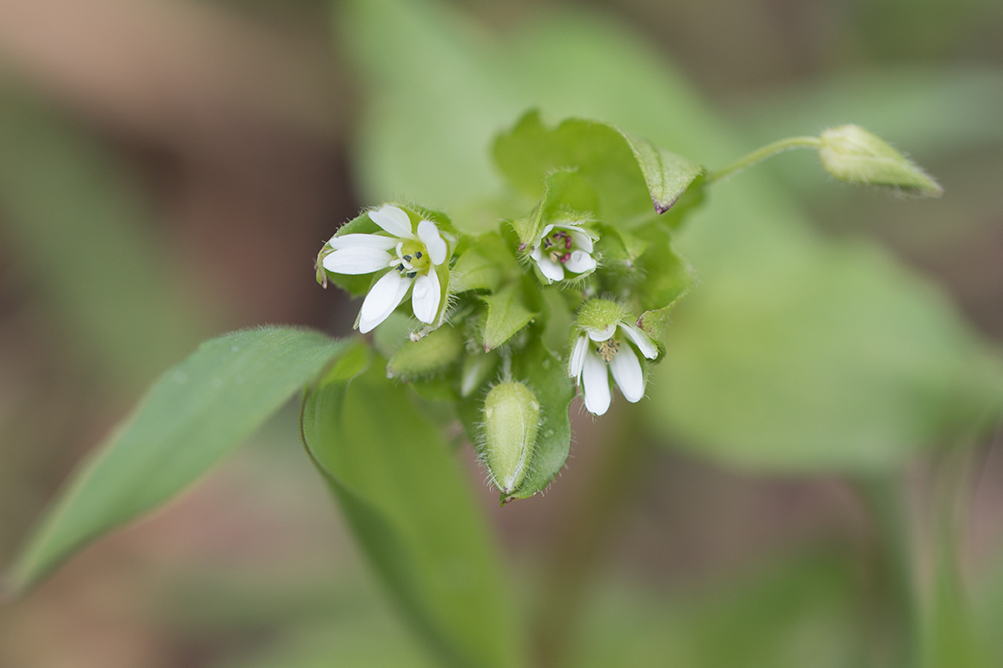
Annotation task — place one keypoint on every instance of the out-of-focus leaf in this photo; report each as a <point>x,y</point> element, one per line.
<point>791,617</point>
<point>411,509</point>
<point>193,416</point>
<point>792,353</point>
<point>75,224</point>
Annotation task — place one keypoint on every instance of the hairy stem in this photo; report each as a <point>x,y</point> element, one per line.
<point>761,154</point>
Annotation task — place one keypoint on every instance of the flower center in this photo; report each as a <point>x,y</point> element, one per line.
<point>412,258</point>
<point>557,246</point>
<point>608,348</point>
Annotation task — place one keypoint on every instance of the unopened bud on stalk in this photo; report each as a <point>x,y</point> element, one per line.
<point>511,422</point>
<point>854,155</point>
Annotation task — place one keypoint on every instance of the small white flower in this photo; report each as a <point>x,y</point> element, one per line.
<point>596,350</point>
<point>563,248</point>
<point>410,255</point>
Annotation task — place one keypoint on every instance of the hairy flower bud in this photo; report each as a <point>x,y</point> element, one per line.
<point>854,155</point>
<point>511,423</point>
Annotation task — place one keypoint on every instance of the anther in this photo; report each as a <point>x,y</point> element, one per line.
<point>417,255</point>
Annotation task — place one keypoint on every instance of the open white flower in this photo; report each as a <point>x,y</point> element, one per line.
<point>563,248</point>
<point>610,348</point>
<point>410,255</point>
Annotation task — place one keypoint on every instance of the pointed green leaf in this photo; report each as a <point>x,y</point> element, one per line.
<point>508,312</point>
<point>192,417</point>
<point>413,513</point>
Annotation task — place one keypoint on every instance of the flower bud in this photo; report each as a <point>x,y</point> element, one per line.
<point>854,155</point>
<point>511,422</point>
<point>433,353</point>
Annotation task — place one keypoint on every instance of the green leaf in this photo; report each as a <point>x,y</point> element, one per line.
<point>409,505</point>
<point>566,197</point>
<point>508,312</point>
<point>483,265</point>
<point>628,174</point>
<point>192,417</point>
<point>547,376</point>
<point>433,353</point>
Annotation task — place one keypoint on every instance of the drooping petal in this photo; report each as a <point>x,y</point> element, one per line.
<point>641,340</point>
<point>357,260</point>
<point>595,384</point>
<point>601,334</point>
<point>366,240</point>
<point>552,270</point>
<point>580,262</point>
<point>577,360</point>
<point>581,240</point>
<point>429,235</point>
<point>382,299</point>
<point>426,296</point>
<point>627,373</point>
<point>394,220</point>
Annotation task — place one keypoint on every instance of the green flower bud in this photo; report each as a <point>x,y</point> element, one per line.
<point>599,318</point>
<point>511,422</point>
<point>854,155</point>
<point>433,353</point>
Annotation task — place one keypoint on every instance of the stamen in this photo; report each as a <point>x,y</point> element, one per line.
<point>608,348</point>
<point>417,255</point>
<point>412,274</point>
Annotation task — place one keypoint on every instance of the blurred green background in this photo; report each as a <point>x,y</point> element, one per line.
<point>817,465</point>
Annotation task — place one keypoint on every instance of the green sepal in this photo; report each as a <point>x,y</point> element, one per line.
<point>655,322</point>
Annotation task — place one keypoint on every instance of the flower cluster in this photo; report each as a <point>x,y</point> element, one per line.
<point>508,322</point>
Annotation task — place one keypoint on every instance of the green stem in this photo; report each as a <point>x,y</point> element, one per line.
<point>761,154</point>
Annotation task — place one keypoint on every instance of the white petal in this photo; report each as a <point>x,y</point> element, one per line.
<point>393,220</point>
<point>426,296</point>
<point>382,299</point>
<point>641,340</point>
<point>577,360</point>
<point>366,240</point>
<point>546,231</point>
<point>429,235</point>
<point>356,260</point>
<point>627,373</point>
<point>552,270</point>
<point>602,334</point>
<point>581,240</point>
<point>595,383</point>
<point>580,262</point>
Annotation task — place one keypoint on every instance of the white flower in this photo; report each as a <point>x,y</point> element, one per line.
<point>563,247</point>
<point>410,255</point>
<point>595,350</point>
